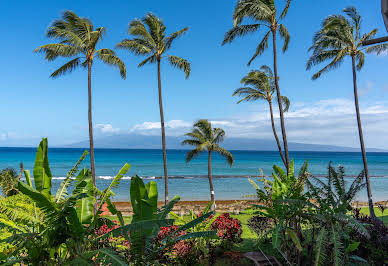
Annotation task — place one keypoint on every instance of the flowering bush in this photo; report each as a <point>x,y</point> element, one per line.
<point>180,251</point>
<point>117,243</point>
<point>228,228</point>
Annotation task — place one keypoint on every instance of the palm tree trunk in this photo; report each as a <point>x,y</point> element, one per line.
<point>209,175</point>
<point>276,135</point>
<point>368,188</point>
<point>275,68</point>
<point>163,136</point>
<point>92,166</point>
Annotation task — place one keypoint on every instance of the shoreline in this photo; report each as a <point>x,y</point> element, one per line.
<point>232,206</point>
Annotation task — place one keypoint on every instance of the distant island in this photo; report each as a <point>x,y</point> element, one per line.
<point>137,141</point>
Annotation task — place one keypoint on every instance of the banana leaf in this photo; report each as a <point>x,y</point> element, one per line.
<point>42,172</point>
<point>84,206</point>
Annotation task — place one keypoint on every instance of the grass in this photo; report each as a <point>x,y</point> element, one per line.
<point>379,214</point>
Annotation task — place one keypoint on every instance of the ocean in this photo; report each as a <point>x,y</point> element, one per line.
<point>189,180</point>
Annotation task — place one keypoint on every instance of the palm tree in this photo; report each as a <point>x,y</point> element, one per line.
<point>264,12</point>
<point>260,85</point>
<point>154,44</point>
<point>77,38</point>
<point>340,37</point>
<point>206,138</point>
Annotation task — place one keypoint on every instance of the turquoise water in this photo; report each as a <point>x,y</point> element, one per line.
<point>189,180</point>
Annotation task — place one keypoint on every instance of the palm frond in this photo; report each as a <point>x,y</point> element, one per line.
<point>335,63</point>
<point>192,154</point>
<point>239,31</point>
<point>137,28</point>
<point>285,35</point>
<point>261,47</point>
<point>285,102</point>
<point>66,68</point>
<point>168,41</point>
<point>219,135</point>
<point>259,10</point>
<point>224,153</point>
<point>378,49</point>
<point>149,60</point>
<point>285,10</point>
<point>136,46</point>
<point>181,64</point>
<point>53,50</point>
<point>109,57</point>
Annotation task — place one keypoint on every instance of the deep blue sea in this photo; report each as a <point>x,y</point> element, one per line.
<point>189,180</point>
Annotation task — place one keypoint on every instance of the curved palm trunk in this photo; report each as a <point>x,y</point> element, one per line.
<point>163,136</point>
<point>209,175</point>
<point>275,68</point>
<point>276,135</point>
<point>92,166</point>
<point>368,188</point>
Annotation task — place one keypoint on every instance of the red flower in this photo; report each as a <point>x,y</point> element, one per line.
<point>228,228</point>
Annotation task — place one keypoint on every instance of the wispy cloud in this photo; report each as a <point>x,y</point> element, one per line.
<point>106,129</point>
<point>173,128</point>
<point>329,121</point>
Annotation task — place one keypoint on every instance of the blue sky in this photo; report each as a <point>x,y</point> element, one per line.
<point>33,105</point>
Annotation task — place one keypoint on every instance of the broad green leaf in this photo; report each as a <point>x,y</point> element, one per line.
<point>352,247</point>
<point>152,191</point>
<point>166,209</point>
<point>42,172</point>
<point>276,236</point>
<point>295,239</point>
<point>84,206</point>
<point>42,202</point>
<point>28,177</point>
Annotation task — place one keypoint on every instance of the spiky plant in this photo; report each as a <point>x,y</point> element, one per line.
<point>206,138</point>
<point>150,39</point>
<point>341,37</point>
<point>8,181</point>
<point>265,14</point>
<point>329,213</point>
<point>77,39</point>
<point>260,85</point>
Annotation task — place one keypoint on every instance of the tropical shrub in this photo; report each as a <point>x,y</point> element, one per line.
<point>228,229</point>
<point>181,252</point>
<point>66,231</point>
<point>374,249</point>
<point>327,238</point>
<point>260,224</point>
<point>8,181</point>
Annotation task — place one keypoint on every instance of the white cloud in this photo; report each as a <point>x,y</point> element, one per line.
<point>173,127</point>
<point>331,122</point>
<point>107,129</point>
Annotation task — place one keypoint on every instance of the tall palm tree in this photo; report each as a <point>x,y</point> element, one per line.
<point>77,38</point>
<point>264,12</point>
<point>206,138</point>
<point>338,38</point>
<point>260,85</point>
<point>154,43</point>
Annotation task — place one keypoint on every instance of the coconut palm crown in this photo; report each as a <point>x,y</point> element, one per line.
<point>260,85</point>
<point>265,14</point>
<point>77,39</point>
<point>340,36</point>
<point>150,40</point>
<point>205,138</point>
